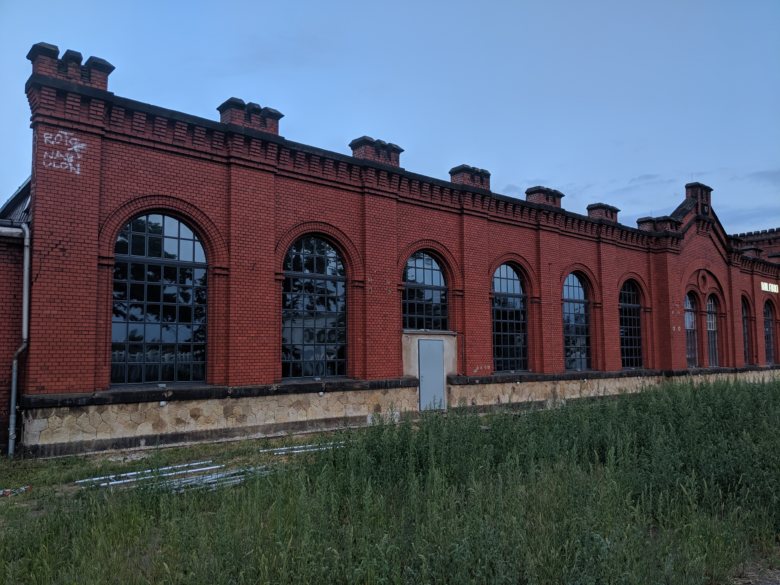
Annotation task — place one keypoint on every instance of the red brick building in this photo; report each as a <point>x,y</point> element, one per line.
<point>203,267</point>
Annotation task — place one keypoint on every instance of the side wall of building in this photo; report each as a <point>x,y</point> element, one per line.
<point>10,322</point>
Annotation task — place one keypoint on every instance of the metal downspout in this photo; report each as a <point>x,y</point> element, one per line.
<point>25,336</point>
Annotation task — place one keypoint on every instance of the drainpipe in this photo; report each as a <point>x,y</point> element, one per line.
<point>24,232</point>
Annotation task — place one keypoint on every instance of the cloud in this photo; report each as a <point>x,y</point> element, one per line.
<point>519,192</point>
<point>649,179</point>
<point>771,176</point>
<point>740,219</point>
<point>643,179</point>
<point>513,190</point>
<point>303,50</point>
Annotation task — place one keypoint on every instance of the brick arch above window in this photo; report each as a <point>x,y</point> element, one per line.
<point>447,262</point>
<point>701,277</point>
<point>588,280</point>
<point>353,262</point>
<point>640,282</point>
<point>210,236</point>
<point>523,269</point>
<point>771,302</point>
<point>747,298</point>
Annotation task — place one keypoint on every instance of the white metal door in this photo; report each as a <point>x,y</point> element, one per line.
<point>431,368</point>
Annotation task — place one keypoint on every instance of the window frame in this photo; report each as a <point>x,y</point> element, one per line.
<point>161,297</point>
<point>631,355</point>
<point>712,307</point>
<point>509,322</point>
<point>414,293</point>
<point>747,345</point>
<point>770,338</point>
<point>301,289</point>
<point>573,333</point>
<point>691,317</point>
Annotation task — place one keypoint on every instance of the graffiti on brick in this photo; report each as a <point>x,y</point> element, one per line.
<point>63,151</point>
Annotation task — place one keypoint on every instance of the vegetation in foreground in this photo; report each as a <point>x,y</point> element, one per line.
<point>675,486</point>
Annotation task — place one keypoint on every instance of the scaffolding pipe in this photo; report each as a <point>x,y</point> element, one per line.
<point>24,232</point>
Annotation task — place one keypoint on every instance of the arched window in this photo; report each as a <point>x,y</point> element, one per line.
<point>510,328</point>
<point>630,312</point>
<point>314,310</point>
<point>769,333</point>
<point>576,324</point>
<point>158,329</point>
<point>712,331</point>
<point>746,345</point>
<point>425,294</point>
<point>691,331</point>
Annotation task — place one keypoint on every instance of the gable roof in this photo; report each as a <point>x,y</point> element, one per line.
<point>17,208</point>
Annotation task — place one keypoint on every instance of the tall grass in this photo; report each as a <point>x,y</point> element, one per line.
<point>675,486</point>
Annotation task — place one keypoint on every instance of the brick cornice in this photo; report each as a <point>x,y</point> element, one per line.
<point>142,123</point>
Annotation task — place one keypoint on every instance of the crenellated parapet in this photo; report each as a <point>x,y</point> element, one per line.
<point>470,177</point>
<point>759,244</point>
<point>46,61</point>
<point>544,196</point>
<point>66,93</point>
<point>367,148</point>
<point>662,223</point>
<point>760,234</point>
<point>249,115</point>
<point>603,212</point>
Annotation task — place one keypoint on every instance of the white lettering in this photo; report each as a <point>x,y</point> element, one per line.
<point>66,153</point>
<point>769,287</point>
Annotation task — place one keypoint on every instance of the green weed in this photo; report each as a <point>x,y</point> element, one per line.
<point>675,486</point>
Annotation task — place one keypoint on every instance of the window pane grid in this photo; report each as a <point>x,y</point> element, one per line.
<point>424,301</point>
<point>510,335</point>
<point>769,333</point>
<point>712,331</point>
<point>576,329</point>
<point>158,329</point>
<point>691,337</point>
<point>746,331</point>
<point>314,311</point>
<point>630,313</point>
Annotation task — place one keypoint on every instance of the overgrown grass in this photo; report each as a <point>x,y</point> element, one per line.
<point>674,486</point>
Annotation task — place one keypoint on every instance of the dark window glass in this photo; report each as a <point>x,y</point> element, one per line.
<point>146,313</point>
<point>576,324</point>
<point>769,333</point>
<point>712,331</point>
<point>630,312</point>
<point>510,327</point>
<point>691,337</point>
<point>424,303</point>
<point>746,345</point>
<point>314,310</point>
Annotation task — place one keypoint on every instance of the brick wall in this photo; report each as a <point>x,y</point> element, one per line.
<point>10,322</point>
<point>100,160</point>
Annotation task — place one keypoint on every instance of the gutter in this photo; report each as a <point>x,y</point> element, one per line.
<point>21,232</point>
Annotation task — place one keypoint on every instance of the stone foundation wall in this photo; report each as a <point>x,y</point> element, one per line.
<point>553,392</point>
<point>68,429</point>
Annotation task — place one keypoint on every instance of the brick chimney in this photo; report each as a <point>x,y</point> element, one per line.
<point>603,211</point>
<point>470,176</point>
<point>544,195</point>
<point>702,194</point>
<point>663,223</point>
<point>249,115</point>
<point>380,151</point>
<point>45,61</point>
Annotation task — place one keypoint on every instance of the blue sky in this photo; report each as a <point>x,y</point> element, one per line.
<point>615,101</point>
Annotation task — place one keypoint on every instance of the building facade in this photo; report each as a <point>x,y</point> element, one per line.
<point>191,278</point>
